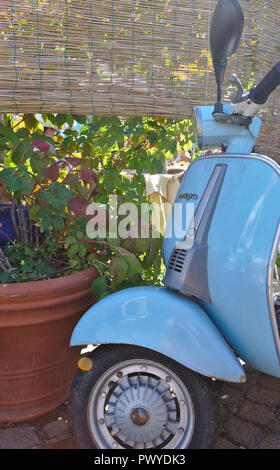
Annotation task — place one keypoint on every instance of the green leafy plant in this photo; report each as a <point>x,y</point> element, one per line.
<point>52,181</point>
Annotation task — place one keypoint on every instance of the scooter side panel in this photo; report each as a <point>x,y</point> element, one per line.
<point>160,320</point>
<point>240,242</point>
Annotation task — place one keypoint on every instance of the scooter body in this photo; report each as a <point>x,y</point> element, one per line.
<point>215,311</point>
<point>163,349</point>
<point>236,270</point>
<point>241,250</point>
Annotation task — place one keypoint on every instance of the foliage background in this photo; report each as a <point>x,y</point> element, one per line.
<point>58,177</point>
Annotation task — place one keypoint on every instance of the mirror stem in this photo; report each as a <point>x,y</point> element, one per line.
<point>219,105</point>
<point>218,108</point>
<point>219,92</point>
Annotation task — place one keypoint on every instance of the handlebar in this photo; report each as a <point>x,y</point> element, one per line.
<point>261,92</point>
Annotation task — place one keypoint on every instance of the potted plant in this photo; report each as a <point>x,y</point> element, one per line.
<point>43,290</point>
<point>51,272</point>
<point>52,168</point>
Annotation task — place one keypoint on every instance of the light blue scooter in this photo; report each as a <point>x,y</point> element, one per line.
<point>163,352</point>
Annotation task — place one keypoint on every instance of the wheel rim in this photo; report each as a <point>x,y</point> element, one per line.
<point>139,404</point>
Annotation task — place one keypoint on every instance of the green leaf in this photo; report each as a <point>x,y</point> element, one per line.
<point>40,212</point>
<point>114,241</point>
<point>7,172</point>
<point>50,117</point>
<point>30,121</point>
<point>82,250</point>
<point>47,270</point>
<point>74,262</point>
<point>118,269</point>
<point>80,235</point>
<point>60,119</point>
<point>134,266</point>
<point>46,223</point>
<point>70,120</point>
<point>173,146</point>
<point>16,183</point>
<point>23,133</point>
<point>156,166</point>
<point>155,245</point>
<point>57,222</point>
<point>73,250</point>
<point>16,156</point>
<point>9,134</point>
<point>4,278</point>
<point>142,245</point>
<point>99,285</point>
<point>34,210</point>
<point>69,240</point>
<point>152,137</point>
<point>68,142</point>
<point>101,267</point>
<point>36,162</point>
<point>131,194</point>
<point>40,136</point>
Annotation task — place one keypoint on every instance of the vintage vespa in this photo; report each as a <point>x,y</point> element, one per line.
<point>163,352</point>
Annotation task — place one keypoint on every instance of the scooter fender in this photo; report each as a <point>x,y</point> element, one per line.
<point>161,320</point>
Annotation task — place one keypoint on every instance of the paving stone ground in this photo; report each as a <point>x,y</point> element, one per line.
<point>250,419</point>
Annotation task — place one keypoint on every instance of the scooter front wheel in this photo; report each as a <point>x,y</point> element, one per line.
<point>135,398</point>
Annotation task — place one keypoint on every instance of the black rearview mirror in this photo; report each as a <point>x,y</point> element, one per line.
<point>225,34</point>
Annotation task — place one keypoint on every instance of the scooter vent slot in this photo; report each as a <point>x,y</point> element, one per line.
<point>177,260</point>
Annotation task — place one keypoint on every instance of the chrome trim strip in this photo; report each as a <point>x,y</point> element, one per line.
<point>270,276</point>
<point>193,228</point>
<point>205,219</point>
<point>206,196</point>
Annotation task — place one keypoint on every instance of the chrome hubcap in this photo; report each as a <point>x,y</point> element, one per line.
<point>140,405</point>
<point>139,416</point>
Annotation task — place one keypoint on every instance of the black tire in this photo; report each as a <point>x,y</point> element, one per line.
<point>84,395</point>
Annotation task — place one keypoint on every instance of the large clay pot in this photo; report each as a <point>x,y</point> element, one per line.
<point>37,364</point>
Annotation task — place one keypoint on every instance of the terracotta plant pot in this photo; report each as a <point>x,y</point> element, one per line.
<point>37,364</point>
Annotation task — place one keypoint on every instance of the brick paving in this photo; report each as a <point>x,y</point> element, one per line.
<point>250,419</point>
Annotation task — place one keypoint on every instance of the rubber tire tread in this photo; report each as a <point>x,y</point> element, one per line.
<point>203,390</point>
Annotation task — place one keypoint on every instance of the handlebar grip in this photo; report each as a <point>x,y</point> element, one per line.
<point>261,92</point>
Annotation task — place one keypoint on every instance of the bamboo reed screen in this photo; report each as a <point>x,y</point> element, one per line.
<point>128,57</point>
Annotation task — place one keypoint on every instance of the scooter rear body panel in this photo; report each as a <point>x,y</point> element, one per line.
<point>165,322</point>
